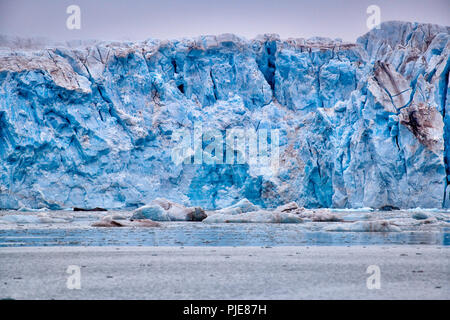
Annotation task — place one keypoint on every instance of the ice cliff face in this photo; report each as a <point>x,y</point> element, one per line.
<point>361,125</point>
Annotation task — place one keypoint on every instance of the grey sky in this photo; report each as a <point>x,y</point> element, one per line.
<point>141,19</point>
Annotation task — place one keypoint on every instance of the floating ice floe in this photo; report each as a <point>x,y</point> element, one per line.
<point>261,216</point>
<point>326,217</point>
<point>364,226</point>
<point>363,209</point>
<point>33,219</point>
<point>242,206</point>
<point>291,207</point>
<point>354,216</point>
<point>318,215</point>
<point>246,212</point>
<point>428,220</point>
<point>20,219</point>
<point>420,215</point>
<point>165,210</point>
<point>25,209</point>
<point>109,223</point>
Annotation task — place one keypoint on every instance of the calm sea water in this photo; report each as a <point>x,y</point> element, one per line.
<point>200,234</point>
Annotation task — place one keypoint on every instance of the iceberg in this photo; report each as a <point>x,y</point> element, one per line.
<point>164,210</point>
<point>261,216</point>
<point>242,206</point>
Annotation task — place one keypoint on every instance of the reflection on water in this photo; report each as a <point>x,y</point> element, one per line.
<point>199,234</point>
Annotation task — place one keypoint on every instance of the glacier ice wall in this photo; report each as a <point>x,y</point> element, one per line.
<point>364,124</point>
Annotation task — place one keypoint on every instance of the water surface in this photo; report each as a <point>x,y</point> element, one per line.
<point>200,234</point>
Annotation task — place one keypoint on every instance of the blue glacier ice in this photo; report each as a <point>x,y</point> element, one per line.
<point>365,124</point>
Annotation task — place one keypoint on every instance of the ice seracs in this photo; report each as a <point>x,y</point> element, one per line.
<point>90,124</point>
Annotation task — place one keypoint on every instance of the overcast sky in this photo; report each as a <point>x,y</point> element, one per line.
<point>167,19</point>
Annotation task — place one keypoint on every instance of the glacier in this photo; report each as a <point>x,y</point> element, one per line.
<point>90,123</point>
